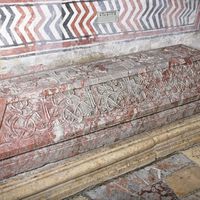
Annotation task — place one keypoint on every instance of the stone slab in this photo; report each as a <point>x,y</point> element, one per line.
<point>194,196</point>
<point>145,184</point>
<point>64,78</point>
<point>185,181</point>
<point>35,159</point>
<point>172,164</point>
<point>156,191</point>
<point>193,154</point>
<point>112,191</point>
<point>58,105</point>
<point>148,176</point>
<point>80,197</point>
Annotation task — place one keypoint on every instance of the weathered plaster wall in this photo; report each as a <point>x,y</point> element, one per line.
<point>38,35</point>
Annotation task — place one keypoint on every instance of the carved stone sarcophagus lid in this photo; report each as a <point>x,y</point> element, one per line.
<point>93,104</point>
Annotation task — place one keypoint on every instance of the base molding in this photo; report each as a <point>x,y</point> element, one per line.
<point>73,175</point>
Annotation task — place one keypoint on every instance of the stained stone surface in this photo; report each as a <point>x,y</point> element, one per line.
<point>112,191</point>
<point>154,173</point>
<point>80,197</point>
<point>172,164</point>
<point>193,154</point>
<point>158,191</point>
<point>185,181</point>
<point>56,152</point>
<point>172,178</point>
<point>194,196</point>
<point>74,107</point>
<point>148,183</point>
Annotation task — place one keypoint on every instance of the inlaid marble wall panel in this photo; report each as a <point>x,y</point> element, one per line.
<point>28,27</point>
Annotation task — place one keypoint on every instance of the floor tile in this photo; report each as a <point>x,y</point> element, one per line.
<point>184,181</point>
<point>193,154</point>
<point>111,191</point>
<point>195,196</point>
<point>154,173</point>
<point>135,181</point>
<point>80,197</point>
<point>172,164</point>
<point>158,191</point>
<point>147,183</point>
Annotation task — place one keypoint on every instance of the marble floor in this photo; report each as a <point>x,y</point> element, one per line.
<point>176,177</point>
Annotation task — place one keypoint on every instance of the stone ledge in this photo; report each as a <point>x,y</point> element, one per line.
<point>78,173</point>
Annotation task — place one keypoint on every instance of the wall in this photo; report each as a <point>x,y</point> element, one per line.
<point>39,35</point>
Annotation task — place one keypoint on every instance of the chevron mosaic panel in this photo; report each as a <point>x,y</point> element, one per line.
<point>33,27</point>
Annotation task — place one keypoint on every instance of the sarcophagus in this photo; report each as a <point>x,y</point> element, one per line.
<point>52,115</point>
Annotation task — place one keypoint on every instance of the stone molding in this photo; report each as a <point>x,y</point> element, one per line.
<point>73,175</point>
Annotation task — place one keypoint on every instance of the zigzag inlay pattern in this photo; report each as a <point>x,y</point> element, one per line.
<point>46,23</point>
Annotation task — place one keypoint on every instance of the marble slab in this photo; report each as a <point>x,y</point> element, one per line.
<point>56,106</point>
<point>193,154</point>
<point>147,183</point>
<point>185,181</point>
<point>49,154</point>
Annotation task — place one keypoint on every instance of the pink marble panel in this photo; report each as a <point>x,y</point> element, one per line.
<point>60,105</point>
<point>37,158</point>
